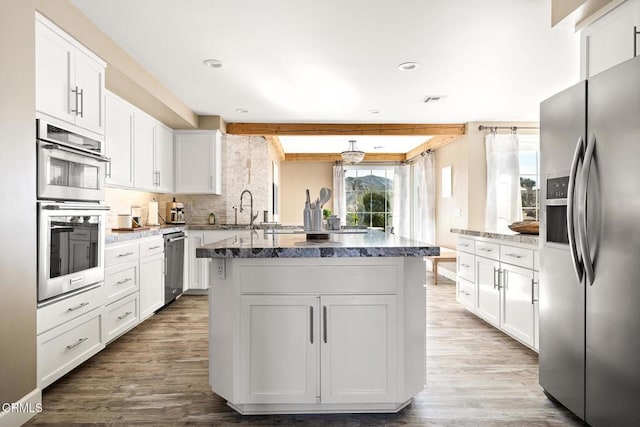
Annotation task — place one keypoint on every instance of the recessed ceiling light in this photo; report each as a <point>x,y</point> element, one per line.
<point>213,63</point>
<point>408,66</point>
<point>241,110</point>
<point>374,111</point>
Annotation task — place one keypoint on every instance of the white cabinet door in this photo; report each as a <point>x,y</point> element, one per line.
<point>198,267</point>
<point>198,168</point>
<point>151,284</point>
<point>90,85</point>
<point>358,349</point>
<point>278,348</point>
<point>164,159</point>
<point>119,141</point>
<point>144,129</point>
<point>518,308</point>
<point>54,77</point>
<point>609,41</point>
<point>69,79</point>
<point>488,298</point>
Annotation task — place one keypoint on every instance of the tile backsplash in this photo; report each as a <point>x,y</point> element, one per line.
<point>246,164</point>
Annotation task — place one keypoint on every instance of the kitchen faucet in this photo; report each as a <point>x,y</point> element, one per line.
<point>251,204</point>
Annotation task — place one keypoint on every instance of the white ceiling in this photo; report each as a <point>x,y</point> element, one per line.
<point>334,60</point>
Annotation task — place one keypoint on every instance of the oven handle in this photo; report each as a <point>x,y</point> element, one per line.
<point>76,208</point>
<point>60,147</point>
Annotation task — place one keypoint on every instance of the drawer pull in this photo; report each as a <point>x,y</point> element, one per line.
<point>464,245</point>
<point>77,307</point>
<point>80,341</point>
<point>154,247</point>
<point>485,249</point>
<point>514,256</point>
<point>122,282</point>
<point>125,254</point>
<point>127,314</point>
<point>465,265</point>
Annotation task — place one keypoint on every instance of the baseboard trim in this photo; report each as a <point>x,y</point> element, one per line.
<point>18,413</point>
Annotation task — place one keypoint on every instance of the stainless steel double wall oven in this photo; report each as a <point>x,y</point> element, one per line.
<point>71,216</point>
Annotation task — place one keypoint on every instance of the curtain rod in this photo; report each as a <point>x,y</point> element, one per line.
<point>513,129</point>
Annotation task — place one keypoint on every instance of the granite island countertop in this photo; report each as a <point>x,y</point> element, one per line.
<point>509,236</point>
<point>258,244</point>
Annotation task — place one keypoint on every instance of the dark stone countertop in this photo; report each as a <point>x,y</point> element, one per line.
<point>258,244</point>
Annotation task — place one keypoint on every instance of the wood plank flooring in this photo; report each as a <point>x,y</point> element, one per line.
<point>157,375</point>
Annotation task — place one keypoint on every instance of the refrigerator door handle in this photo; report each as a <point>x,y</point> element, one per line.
<point>582,217</point>
<point>576,257</point>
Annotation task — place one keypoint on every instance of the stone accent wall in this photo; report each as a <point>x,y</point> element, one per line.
<point>246,164</point>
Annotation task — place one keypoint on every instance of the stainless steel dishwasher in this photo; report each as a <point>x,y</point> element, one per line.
<point>174,265</point>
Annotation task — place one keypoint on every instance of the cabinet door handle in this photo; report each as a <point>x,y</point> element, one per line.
<point>158,178</point>
<point>311,324</point>
<point>81,96</point>
<point>210,181</point>
<point>324,323</point>
<point>128,313</point>
<point>122,282</point>
<point>75,92</point>
<point>78,307</point>
<point>108,173</point>
<point>533,283</point>
<point>496,278</point>
<point>77,343</point>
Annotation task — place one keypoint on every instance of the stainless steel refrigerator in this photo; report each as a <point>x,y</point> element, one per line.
<point>590,254</point>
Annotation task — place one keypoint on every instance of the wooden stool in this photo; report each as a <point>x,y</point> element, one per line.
<point>450,257</point>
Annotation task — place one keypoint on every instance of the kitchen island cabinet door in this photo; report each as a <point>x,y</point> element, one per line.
<point>488,300</point>
<point>518,304</point>
<point>279,361</point>
<point>358,348</point>
<point>198,267</point>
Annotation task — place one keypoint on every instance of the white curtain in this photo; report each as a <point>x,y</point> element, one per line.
<point>424,221</point>
<point>339,200</point>
<point>402,201</point>
<point>504,204</point>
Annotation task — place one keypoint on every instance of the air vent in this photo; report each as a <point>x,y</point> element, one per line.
<point>433,99</point>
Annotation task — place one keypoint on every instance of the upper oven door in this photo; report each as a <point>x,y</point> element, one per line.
<point>67,174</point>
<point>70,247</point>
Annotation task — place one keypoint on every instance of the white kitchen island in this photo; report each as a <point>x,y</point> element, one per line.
<point>322,326</point>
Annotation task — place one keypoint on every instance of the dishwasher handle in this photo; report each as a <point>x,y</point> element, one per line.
<point>175,239</point>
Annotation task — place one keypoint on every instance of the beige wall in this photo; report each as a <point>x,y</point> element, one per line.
<point>18,190</point>
<point>469,175</point>
<point>295,178</point>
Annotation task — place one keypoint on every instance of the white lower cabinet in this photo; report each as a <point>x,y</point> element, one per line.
<point>73,334</point>
<point>349,340</point>
<point>121,316</point>
<point>152,265</point>
<point>358,348</point>
<point>505,286</point>
<point>198,267</point>
<point>279,367</point>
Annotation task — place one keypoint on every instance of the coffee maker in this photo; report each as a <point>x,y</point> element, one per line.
<point>175,212</point>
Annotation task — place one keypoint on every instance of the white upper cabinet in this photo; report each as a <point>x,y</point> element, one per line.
<point>69,80</point>
<point>609,40</point>
<point>198,162</point>
<point>144,130</point>
<point>163,159</point>
<point>119,140</point>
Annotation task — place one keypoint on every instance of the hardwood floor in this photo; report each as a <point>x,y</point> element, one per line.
<point>157,374</point>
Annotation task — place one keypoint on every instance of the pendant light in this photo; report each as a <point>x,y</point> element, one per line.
<point>352,155</point>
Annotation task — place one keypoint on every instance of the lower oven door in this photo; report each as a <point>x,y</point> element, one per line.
<point>70,247</point>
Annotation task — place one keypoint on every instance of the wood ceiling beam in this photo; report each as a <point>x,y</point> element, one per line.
<point>432,144</point>
<point>335,157</point>
<point>276,144</point>
<point>306,129</point>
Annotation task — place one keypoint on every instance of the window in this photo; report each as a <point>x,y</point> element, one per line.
<point>530,176</point>
<point>369,195</point>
